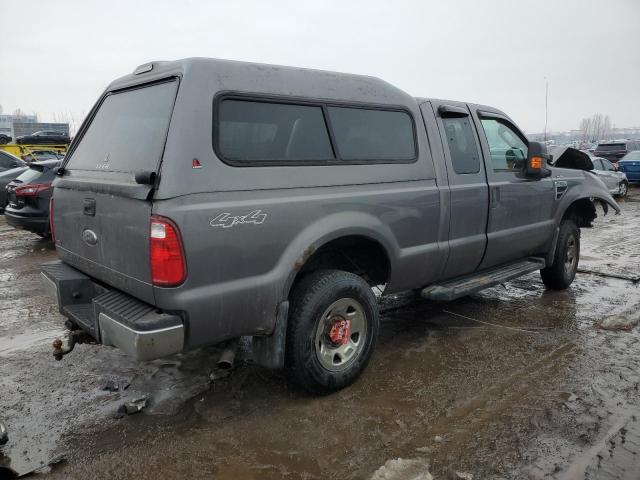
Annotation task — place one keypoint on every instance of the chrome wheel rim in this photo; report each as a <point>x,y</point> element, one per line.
<point>341,334</point>
<point>623,189</point>
<point>571,257</point>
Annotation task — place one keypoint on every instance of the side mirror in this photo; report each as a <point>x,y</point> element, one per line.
<point>537,161</point>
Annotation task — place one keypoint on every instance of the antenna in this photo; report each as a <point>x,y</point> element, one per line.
<point>546,107</point>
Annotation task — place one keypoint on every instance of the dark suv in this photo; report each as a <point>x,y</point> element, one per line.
<point>614,151</point>
<point>28,196</point>
<point>204,200</point>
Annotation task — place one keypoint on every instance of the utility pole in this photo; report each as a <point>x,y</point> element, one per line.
<point>546,107</point>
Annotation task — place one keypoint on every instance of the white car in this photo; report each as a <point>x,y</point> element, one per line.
<point>615,180</point>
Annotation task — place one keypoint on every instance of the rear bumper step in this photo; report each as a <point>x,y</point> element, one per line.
<point>111,316</point>
<point>469,284</point>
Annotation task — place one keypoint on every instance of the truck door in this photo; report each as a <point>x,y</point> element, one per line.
<point>468,190</point>
<point>521,209</point>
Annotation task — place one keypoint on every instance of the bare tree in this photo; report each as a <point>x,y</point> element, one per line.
<point>595,128</point>
<point>585,128</point>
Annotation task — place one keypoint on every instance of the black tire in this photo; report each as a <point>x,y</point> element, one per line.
<point>309,346</point>
<point>560,274</point>
<point>623,189</point>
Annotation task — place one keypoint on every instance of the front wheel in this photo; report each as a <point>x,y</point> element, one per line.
<point>560,274</point>
<point>332,330</point>
<point>623,189</point>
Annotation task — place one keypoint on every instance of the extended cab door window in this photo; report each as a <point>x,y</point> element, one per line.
<point>463,148</point>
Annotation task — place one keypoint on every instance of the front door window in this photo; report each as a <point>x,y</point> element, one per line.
<point>508,150</point>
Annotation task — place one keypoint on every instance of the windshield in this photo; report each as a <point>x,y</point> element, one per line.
<point>128,132</point>
<point>635,155</point>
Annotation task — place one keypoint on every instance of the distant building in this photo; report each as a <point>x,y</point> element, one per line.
<point>6,122</point>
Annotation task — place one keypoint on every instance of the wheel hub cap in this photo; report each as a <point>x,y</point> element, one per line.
<point>339,331</point>
<point>340,335</point>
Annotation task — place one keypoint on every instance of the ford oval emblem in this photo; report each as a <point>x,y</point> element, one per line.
<point>89,237</point>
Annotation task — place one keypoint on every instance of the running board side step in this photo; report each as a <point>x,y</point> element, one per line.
<point>463,286</point>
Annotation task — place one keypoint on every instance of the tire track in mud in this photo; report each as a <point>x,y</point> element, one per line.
<point>500,396</point>
<point>612,457</point>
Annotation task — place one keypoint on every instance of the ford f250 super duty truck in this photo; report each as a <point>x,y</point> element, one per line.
<point>203,200</point>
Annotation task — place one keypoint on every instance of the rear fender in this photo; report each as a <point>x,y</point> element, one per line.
<point>329,228</point>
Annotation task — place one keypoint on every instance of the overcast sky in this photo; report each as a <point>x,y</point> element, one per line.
<point>57,57</point>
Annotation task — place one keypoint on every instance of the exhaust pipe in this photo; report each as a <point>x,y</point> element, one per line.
<point>228,355</point>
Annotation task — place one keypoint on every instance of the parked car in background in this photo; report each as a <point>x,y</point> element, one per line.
<point>614,151</point>
<point>4,139</point>
<point>41,155</point>
<point>44,137</point>
<point>7,177</point>
<point>615,180</point>
<point>29,195</point>
<point>630,165</point>
<point>8,161</point>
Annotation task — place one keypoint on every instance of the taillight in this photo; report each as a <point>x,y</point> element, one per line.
<point>168,267</point>
<point>51,230</point>
<point>31,189</point>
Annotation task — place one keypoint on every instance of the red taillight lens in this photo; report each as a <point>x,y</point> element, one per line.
<point>31,189</point>
<point>168,268</point>
<point>51,230</point>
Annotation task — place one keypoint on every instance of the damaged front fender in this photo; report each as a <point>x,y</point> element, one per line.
<point>582,198</point>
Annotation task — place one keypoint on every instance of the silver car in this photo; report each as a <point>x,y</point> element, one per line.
<point>615,180</point>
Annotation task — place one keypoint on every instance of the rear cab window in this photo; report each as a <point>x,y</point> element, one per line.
<point>261,132</point>
<point>128,131</point>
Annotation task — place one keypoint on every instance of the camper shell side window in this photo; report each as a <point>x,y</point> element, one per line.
<point>275,131</point>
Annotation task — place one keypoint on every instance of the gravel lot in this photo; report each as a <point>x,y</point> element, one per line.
<point>515,382</point>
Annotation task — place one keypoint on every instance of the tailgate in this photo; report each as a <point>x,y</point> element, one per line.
<point>101,214</point>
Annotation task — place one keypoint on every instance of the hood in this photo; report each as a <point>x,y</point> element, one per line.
<point>568,157</point>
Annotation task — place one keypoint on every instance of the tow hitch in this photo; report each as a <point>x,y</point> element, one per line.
<point>75,336</point>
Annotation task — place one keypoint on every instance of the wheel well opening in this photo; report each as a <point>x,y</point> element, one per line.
<point>582,211</point>
<point>356,254</point>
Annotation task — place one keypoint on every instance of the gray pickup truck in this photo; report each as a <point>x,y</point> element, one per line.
<point>203,200</point>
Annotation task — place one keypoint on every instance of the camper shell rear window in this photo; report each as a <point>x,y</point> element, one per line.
<point>254,131</point>
<point>128,131</point>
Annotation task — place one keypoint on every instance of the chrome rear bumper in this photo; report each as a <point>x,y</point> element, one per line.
<point>112,317</point>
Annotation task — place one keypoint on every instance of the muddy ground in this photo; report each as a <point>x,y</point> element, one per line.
<point>516,382</point>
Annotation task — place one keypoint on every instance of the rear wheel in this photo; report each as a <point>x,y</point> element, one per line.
<point>560,274</point>
<point>332,329</point>
<point>623,189</point>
